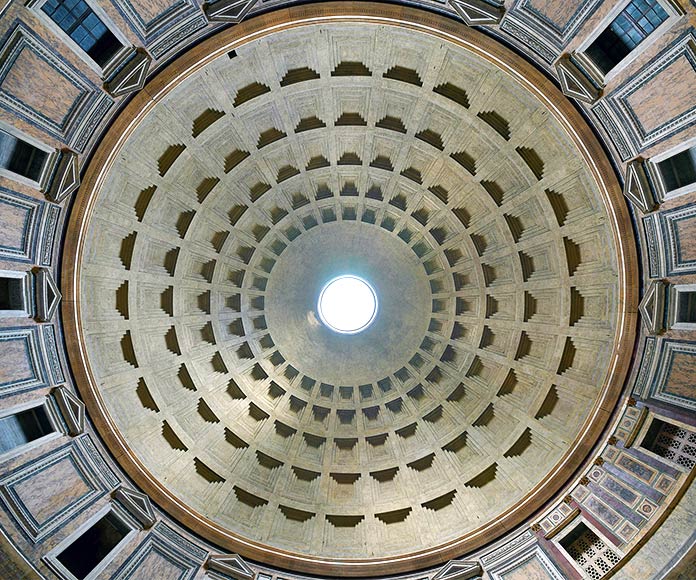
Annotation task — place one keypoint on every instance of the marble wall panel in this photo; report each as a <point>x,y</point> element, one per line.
<point>53,489</point>
<point>20,218</point>
<point>667,237</point>
<point>23,367</point>
<point>673,381</point>
<point>70,111</point>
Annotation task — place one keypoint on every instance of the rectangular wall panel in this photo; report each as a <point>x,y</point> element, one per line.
<point>53,489</point>
<point>20,221</point>
<point>71,111</point>
<point>23,367</point>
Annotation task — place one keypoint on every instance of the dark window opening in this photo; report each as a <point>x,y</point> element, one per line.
<point>95,544</point>
<point>79,22</point>
<point>679,170</point>
<point>631,27</point>
<point>686,307</point>
<point>23,427</point>
<point>11,294</point>
<point>20,157</point>
<point>671,442</point>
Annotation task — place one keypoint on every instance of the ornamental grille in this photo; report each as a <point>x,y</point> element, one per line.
<point>590,552</point>
<point>676,444</point>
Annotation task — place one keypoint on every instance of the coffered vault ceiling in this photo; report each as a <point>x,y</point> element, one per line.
<point>485,227</point>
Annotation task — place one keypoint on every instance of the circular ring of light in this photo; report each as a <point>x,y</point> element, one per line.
<point>347,304</point>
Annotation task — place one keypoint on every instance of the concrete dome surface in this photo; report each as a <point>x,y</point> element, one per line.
<point>475,215</point>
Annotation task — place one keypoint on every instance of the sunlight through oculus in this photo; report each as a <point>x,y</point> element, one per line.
<point>347,304</point>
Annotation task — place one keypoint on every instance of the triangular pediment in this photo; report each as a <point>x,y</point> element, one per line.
<point>233,565</point>
<point>137,504</point>
<point>228,10</point>
<point>477,12</point>
<point>574,83</point>
<point>637,188</point>
<point>459,570</point>
<point>72,410</point>
<point>48,295</point>
<point>652,307</point>
<point>132,76</point>
<point>66,178</point>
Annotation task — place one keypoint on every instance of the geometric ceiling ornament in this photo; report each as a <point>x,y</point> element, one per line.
<point>573,81</point>
<point>65,178</point>
<point>652,307</point>
<point>233,565</point>
<point>47,295</point>
<point>637,186</point>
<point>459,570</point>
<point>477,12</point>
<point>72,410</point>
<point>131,77</point>
<point>228,10</point>
<point>137,504</point>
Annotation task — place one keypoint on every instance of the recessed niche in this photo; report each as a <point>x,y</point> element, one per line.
<point>350,120</point>
<point>234,159</point>
<point>497,122</point>
<point>391,123</point>
<point>253,501</point>
<point>394,516</point>
<point>453,93</point>
<point>351,69</point>
<point>404,74</point>
<point>250,92</point>
<point>298,75</point>
<point>295,514</point>
<point>309,123</point>
<point>440,502</point>
<point>483,478</point>
<point>205,120</point>
<point>145,397</point>
<point>344,521</point>
<point>169,157</point>
<point>431,137</point>
<point>384,475</point>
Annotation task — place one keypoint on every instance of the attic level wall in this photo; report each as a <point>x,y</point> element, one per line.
<point>49,93</point>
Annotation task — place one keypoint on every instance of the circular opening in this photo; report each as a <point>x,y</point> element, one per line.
<point>347,304</point>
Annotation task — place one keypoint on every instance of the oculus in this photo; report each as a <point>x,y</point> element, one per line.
<point>347,304</point>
